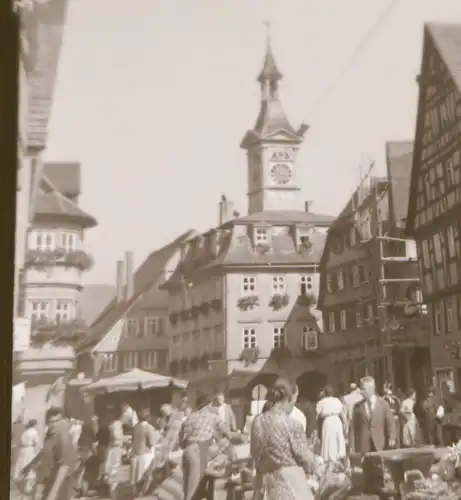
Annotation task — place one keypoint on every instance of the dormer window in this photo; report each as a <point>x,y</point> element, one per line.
<point>261,235</point>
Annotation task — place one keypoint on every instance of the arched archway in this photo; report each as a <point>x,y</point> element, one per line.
<point>310,384</point>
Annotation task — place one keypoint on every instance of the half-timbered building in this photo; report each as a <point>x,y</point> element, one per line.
<point>434,211</point>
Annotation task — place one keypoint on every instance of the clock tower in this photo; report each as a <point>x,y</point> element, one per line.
<point>272,146</point>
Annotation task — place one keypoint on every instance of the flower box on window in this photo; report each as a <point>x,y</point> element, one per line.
<point>59,334</point>
<point>79,259</point>
<point>279,301</point>
<point>307,300</point>
<point>280,353</point>
<point>249,355</point>
<point>216,304</point>
<point>174,367</point>
<point>249,302</point>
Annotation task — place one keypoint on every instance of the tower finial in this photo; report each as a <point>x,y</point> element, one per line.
<point>268,26</point>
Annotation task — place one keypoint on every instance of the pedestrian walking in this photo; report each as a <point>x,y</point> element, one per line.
<point>394,404</point>
<point>410,427</point>
<point>195,438</point>
<point>334,426</point>
<point>350,400</point>
<point>145,438</point>
<point>279,447</point>
<point>373,422</point>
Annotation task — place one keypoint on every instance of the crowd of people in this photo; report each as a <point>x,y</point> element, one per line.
<point>286,444</point>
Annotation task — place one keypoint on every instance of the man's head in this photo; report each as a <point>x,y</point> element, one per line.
<point>353,387</point>
<point>368,387</point>
<point>125,406</point>
<point>144,414</point>
<point>54,415</point>
<point>218,397</point>
<point>166,410</point>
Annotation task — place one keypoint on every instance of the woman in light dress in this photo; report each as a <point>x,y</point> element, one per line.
<point>29,446</point>
<point>284,463</point>
<point>145,438</point>
<point>410,427</point>
<point>110,442</point>
<point>332,419</point>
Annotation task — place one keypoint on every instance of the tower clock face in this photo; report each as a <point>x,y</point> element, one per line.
<point>281,173</point>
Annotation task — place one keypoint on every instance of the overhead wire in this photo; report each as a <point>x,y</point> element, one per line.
<point>369,35</point>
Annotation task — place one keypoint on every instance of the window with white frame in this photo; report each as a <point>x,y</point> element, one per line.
<point>278,284</point>
<point>261,235</point>
<point>310,339</point>
<point>152,325</point>
<point>149,360</point>
<point>44,241</point>
<point>451,242</point>
<point>130,361</point>
<point>355,276</point>
<point>248,285</point>
<point>340,278</point>
<point>343,319</point>
<point>39,309</point>
<point>69,241</point>
<point>358,318</point>
<point>437,248</point>
<point>331,322</point>
<point>278,336</point>
<point>110,363</point>
<point>63,311</point>
<point>305,285</point>
<point>329,283</point>
<point>444,376</point>
<point>249,338</point>
<point>132,327</point>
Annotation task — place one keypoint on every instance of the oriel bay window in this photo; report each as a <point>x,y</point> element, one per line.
<point>63,311</point>
<point>39,310</point>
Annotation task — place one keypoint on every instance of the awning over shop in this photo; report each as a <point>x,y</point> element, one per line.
<point>132,381</point>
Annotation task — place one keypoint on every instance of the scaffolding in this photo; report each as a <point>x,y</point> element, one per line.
<point>395,284</point>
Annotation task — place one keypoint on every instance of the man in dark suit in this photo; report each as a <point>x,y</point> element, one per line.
<point>374,428</point>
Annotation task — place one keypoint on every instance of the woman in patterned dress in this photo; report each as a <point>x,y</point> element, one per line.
<point>410,428</point>
<point>281,454</point>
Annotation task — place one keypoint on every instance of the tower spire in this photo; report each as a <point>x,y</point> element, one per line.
<point>270,75</point>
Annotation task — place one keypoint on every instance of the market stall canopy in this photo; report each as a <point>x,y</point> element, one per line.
<point>132,381</point>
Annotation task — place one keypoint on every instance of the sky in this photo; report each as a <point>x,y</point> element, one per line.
<point>154,96</point>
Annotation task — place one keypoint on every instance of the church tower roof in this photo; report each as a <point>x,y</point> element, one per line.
<point>272,117</point>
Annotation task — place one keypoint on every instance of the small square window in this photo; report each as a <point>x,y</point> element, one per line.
<point>132,327</point>
<point>261,236</point>
<point>278,284</point>
<point>248,285</point>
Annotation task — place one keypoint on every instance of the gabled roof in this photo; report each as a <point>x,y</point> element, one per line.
<point>149,274</point>
<point>447,39</point>
<point>234,245</point>
<point>399,162</point>
<point>55,204</point>
<point>64,176</point>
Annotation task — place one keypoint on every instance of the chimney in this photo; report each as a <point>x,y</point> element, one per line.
<point>129,276</point>
<point>307,206</point>
<point>226,210</point>
<point>120,280</point>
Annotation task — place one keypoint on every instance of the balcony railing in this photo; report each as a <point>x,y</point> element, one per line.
<point>43,259</point>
